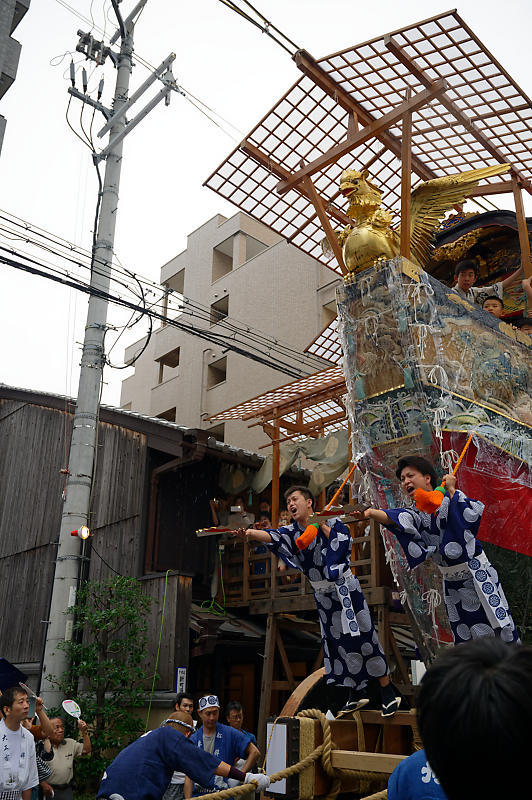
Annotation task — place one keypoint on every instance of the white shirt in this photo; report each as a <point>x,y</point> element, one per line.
<point>18,767</point>
<point>477,294</point>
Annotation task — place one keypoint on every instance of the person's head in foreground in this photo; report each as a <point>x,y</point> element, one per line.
<point>466,273</point>
<point>180,721</point>
<point>15,705</point>
<point>474,711</point>
<point>493,305</point>
<point>415,472</point>
<point>299,502</point>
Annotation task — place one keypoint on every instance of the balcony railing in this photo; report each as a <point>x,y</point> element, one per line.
<point>250,573</point>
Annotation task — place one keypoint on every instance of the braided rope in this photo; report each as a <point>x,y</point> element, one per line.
<point>324,751</point>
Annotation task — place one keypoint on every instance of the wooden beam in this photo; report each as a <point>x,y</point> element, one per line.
<point>284,660</point>
<point>524,241</point>
<point>266,682</point>
<point>369,762</point>
<point>292,705</point>
<point>309,66</point>
<point>500,187</point>
<point>261,158</point>
<point>371,131</point>
<point>406,180</point>
<point>413,68</point>
<point>275,475</point>
<point>315,199</point>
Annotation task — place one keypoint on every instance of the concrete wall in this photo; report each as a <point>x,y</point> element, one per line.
<point>272,286</point>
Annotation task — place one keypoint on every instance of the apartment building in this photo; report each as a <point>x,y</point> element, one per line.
<point>236,269</point>
<point>11,13</point>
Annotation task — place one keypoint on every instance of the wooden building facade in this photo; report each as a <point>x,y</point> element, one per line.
<point>153,483</point>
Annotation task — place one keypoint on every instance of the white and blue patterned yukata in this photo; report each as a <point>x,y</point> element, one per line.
<point>352,653</point>
<point>474,599</point>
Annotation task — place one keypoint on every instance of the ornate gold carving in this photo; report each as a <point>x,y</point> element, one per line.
<point>372,236</point>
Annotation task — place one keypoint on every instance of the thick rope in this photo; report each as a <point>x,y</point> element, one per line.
<point>324,750</point>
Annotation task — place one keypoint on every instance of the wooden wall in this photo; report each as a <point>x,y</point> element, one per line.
<point>32,453</point>
<point>175,632</point>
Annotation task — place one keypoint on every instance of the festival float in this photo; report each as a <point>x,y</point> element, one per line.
<point>365,163</point>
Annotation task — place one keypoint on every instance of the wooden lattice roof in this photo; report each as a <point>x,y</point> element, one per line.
<point>310,404</point>
<point>479,116</point>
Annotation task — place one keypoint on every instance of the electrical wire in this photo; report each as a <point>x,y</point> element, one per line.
<point>96,553</point>
<point>158,650</point>
<point>195,101</point>
<point>263,24</point>
<point>187,307</point>
<point>121,25</point>
<point>202,333</point>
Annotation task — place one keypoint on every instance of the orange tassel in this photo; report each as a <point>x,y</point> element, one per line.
<point>308,535</point>
<point>429,501</point>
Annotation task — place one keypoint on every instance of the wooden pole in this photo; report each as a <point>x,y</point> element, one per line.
<point>266,682</point>
<point>275,473</point>
<point>524,242</point>
<point>406,180</point>
<point>325,224</point>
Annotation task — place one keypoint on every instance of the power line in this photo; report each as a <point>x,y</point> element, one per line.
<point>36,268</point>
<point>195,101</point>
<point>186,306</point>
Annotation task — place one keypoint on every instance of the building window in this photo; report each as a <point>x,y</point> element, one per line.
<point>168,364</point>
<point>177,281</point>
<point>222,259</point>
<point>217,432</point>
<point>216,372</point>
<point>219,310</point>
<point>167,415</point>
<point>328,313</point>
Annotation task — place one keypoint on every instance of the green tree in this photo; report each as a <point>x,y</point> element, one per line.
<point>106,676</point>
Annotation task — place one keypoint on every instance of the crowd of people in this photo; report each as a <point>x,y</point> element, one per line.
<point>185,758</point>
<point>37,760</point>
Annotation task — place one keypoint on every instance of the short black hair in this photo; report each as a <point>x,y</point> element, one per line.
<point>519,322</point>
<point>233,705</point>
<point>493,297</point>
<point>305,491</point>
<point>8,697</point>
<point>419,463</point>
<point>183,696</point>
<point>469,263</point>
<point>474,708</point>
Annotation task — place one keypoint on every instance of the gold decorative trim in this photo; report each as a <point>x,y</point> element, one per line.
<point>477,403</point>
<point>411,270</point>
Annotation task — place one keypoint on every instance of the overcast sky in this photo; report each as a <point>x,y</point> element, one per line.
<point>46,175</point>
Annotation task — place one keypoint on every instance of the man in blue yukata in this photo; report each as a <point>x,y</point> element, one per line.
<point>474,599</point>
<point>143,770</point>
<point>224,743</point>
<point>352,654</point>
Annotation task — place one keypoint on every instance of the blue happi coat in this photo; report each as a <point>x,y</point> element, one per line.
<point>474,599</point>
<point>352,653</point>
<point>229,744</point>
<point>143,770</point>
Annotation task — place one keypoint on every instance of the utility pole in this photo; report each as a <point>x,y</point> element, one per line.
<point>84,432</point>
